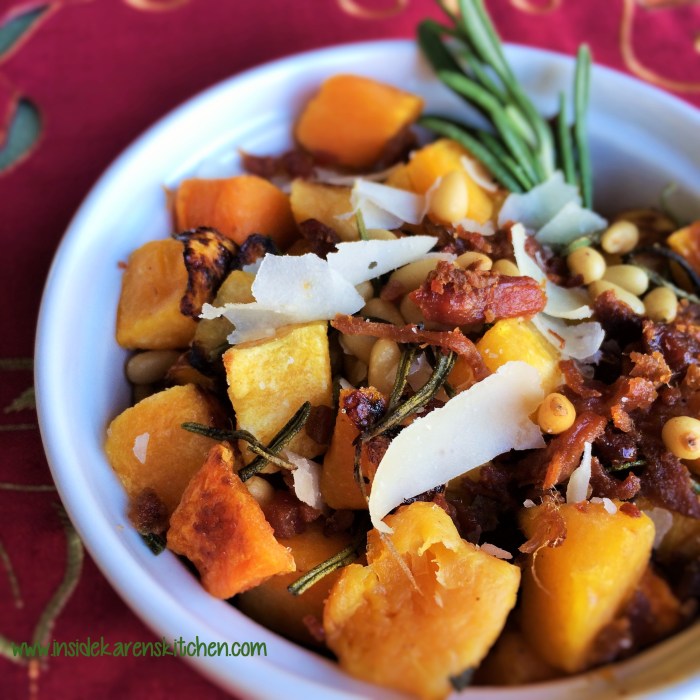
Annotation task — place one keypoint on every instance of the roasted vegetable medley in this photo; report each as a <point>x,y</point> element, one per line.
<point>402,395</point>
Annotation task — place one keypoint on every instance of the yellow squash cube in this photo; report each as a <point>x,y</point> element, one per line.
<point>515,339</point>
<point>325,203</point>
<point>437,160</point>
<point>268,380</point>
<point>571,592</point>
<point>386,630</point>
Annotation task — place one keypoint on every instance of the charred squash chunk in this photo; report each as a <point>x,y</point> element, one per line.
<point>236,206</point>
<point>272,605</point>
<point>268,380</point>
<point>352,119</point>
<point>414,635</point>
<point>338,486</point>
<point>148,448</point>
<point>149,315</point>
<point>221,529</point>
<point>571,592</point>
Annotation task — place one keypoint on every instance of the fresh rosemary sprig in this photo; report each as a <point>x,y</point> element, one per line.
<point>156,543</point>
<point>656,278</point>
<point>443,367</point>
<point>408,354</point>
<point>266,453</point>
<point>521,149</point>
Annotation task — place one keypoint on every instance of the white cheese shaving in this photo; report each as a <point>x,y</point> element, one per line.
<point>360,261</point>
<point>529,503</point>
<point>609,506</point>
<point>663,522</point>
<point>419,372</point>
<point>385,207</point>
<point>561,303</point>
<point>551,211</point>
<point>478,174</point>
<point>577,488</point>
<point>306,480</point>
<point>495,551</point>
<point>580,341</point>
<point>140,447</point>
<point>458,437</point>
<point>485,229</point>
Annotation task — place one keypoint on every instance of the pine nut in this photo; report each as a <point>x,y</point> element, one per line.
<point>358,345</point>
<point>260,489</point>
<point>380,234</point>
<point>411,276</point>
<point>661,305</point>
<point>450,200</point>
<point>587,262</point>
<point>355,370</point>
<point>555,414</point>
<point>384,310</point>
<point>598,287</point>
<point>629,277</point>
<point>150,366</point>
<point>681,435</point>
<point>621,237</point>
<point>383,363</point>
<point>411,311</point>
<point>506,267</point>
<point>365,290</point>
<point>474,261</point>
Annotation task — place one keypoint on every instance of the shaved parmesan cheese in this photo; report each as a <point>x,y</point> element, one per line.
<point>609,506</point>
<point>359,261</point>
<point>529,503</point>
<point>386,207</point>
<point>495,551</point>
<point>306,480</point>
<point>458,437</point>
<point>250,321</point>
<point>140,447</point>
<point>485,229</point>
<point>561,303</point>
<point>577,488</point>
<point>570,223</point>
<point>580,341</point>
<point>476,172</point>
<point>419,372</point>
<point>663,521</point>
<point>540,204</point>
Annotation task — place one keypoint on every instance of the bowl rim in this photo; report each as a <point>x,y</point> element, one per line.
<point>83,512</point>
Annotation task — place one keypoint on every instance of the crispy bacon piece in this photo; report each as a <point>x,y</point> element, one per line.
<point>321,238</point>
<point>618,320</point>
<point>563,454</point>
<point>651,366</point>
<point>630,393</point>
<point>576,381</point>
<point>552,265</point>
<point>550,527</point>
<point>678,344</point>
<point>666,482</point>
<point>294,163</point>
<point>410,333</point>
<point>605,486</point>
<point>458,297</point>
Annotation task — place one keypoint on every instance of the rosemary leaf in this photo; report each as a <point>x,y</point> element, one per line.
<point>156,543</point>
<point>566,145</point>
<point>480,151</point>
<point>361,228</point>
<point>664,252</point>
<point>418,400</point>
<point>628,465</point>
<point>337,561</point>
<point>492,142</point>
<point>581,92</point>
<point>408,354</point>
<point>285,435</point>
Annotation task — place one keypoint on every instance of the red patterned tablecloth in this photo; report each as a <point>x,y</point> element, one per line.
<point>91,75</point>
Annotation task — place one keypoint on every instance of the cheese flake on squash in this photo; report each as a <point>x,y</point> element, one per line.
<point>490,418</point>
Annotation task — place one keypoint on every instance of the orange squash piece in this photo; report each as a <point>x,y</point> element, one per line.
<point>353,118</point>
<point>236,206</point>
<point>338,486</point>
<point>148,448</point>
<point>221,529</point>
<point>148,315</point>
<point>273,606</point>
<point>686,242</point>
<point>413,634</point>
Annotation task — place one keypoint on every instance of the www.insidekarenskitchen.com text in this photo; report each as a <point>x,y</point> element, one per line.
<point>100,647</point>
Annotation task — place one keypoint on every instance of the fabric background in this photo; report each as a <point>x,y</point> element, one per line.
<point>95,74</point>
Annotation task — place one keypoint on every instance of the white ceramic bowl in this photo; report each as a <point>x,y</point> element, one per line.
<point>641,140</point>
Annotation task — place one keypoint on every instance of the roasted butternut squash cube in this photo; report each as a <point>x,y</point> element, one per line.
<point>221,529</point>
<point>148,448</point>
<point>338,486</point>
<point>268,380</point>
<point>325,203</point>
<point>686,242</point>
<point>516,339</point>
<point>236,206</point>
<point>571,592</point>
<point>353,118</point>
<point>154,282</point>
<point>414,634</point>
<point>273,606</point>
<point>437,160</point>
